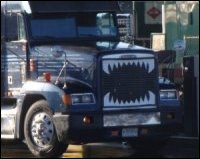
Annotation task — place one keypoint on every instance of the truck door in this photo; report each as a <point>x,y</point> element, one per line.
<point>16,51</point>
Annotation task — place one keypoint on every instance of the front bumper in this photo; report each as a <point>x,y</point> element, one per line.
<point>71,128</point>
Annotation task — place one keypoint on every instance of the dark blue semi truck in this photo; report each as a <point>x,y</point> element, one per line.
<point>66,77</point>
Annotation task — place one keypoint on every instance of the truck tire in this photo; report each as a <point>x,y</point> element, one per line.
<point>39,131</point>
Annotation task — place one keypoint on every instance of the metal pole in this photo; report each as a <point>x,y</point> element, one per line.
<point>163,19</point>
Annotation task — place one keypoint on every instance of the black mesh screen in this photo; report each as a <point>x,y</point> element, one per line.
<point>129,82</point>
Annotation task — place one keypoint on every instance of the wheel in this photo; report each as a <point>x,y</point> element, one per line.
<point>39,131</point>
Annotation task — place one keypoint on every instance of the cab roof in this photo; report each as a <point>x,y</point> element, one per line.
<point>73,6</point>
<point>61,6</point>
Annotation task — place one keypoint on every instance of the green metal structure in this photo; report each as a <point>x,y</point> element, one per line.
<point>182,23</point>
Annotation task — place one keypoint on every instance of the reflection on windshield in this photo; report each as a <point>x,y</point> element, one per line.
<point>80,62</point>
<point>73,25</point>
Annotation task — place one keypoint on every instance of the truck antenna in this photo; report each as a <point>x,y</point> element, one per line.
<point>65,72</point>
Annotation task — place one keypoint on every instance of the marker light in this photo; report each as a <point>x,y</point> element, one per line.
<point>32,65</point>
<point>87,120</point>
<point>47,76</point>
<point>66,99</point>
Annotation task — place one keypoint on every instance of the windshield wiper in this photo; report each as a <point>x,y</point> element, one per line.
<point>66,63</point>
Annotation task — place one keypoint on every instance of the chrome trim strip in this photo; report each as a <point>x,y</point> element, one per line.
<point>130,108</point>
<point>136,55</point>
<point>7,136</point>
<point>134,119</point>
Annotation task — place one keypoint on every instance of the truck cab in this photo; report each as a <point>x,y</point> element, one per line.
<point>68,78</point>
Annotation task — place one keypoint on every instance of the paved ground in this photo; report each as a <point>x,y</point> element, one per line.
<point>176,148</point>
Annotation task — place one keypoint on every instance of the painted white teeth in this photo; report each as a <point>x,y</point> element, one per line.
<point>140,62</point>
<point>146,101</point>
<point>117,102</point>
<point>151,97</point>
<point>149,63</point>
<point>112,64</point>
<point>105,66</point>
<point>120,63</point>
<point>108,65</point>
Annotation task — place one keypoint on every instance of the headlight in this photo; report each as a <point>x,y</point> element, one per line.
<point>76,99</point>
<point>168,94</point>
<point>88,98</point>
<point>84,98</point>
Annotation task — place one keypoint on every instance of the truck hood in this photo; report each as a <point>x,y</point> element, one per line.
<point>93,47</point>
<point>80,59</point>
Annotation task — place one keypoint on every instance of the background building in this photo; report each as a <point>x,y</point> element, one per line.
<point>171,26</point>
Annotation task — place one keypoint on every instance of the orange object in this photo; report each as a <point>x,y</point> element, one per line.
<point>32,65</point>
<point>87,120</point>
<point>47,76</point>
<point>115,133</point>
<point>66,99</point>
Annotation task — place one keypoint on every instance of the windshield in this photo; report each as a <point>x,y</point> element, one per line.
<point>73,25</point>
<point>77,62</point>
